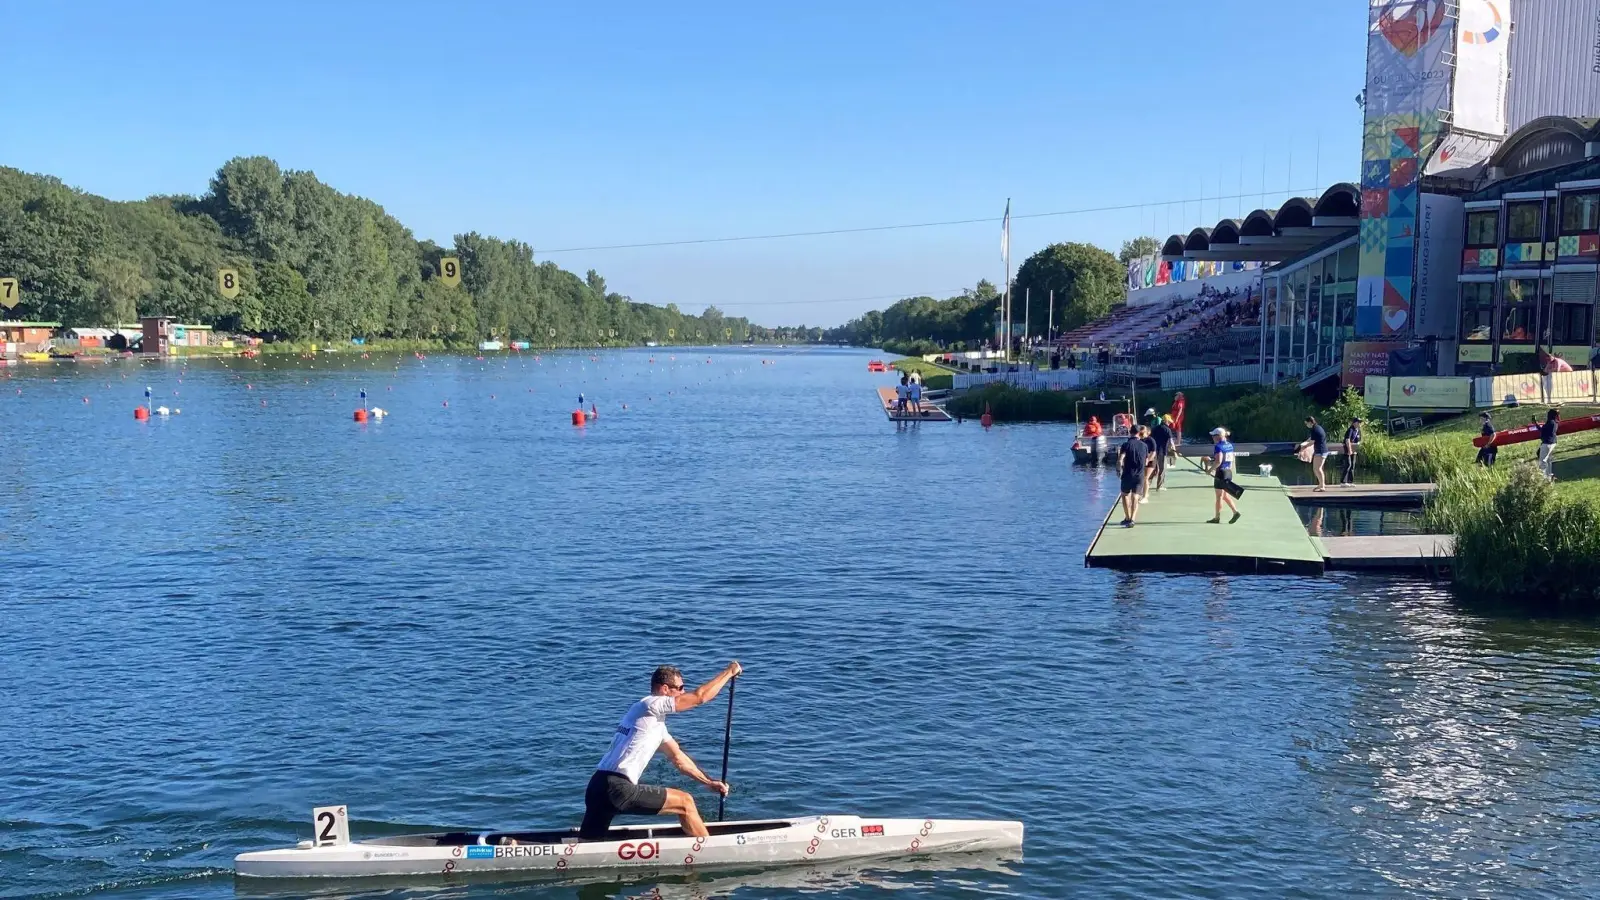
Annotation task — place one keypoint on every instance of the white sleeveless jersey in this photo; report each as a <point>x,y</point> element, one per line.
<point>639,736</point>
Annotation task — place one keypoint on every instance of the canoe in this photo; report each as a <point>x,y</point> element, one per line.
<point>765,842</point>
<point>1531,432</point>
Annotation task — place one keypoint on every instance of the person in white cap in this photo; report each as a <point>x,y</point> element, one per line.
<point>1222,459</point>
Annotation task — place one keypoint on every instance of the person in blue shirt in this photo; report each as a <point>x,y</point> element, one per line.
<point>1222,467</point>
<point>1352,440</point>
<point>1317,440</point>
<point>1547,443</point>
<point>1132,456</point>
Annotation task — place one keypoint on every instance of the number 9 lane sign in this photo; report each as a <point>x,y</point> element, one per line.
<point>10,292</point>
<point>228,283</point>
<point>330,826</point>
<point>450,271</point>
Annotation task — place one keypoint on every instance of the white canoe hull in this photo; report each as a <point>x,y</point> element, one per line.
<point>755,843</point>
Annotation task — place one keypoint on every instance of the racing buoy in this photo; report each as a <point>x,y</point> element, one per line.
<point>140,413</point>
<point>578,417</point>
<point>361,415</point>
<point>988,416</point>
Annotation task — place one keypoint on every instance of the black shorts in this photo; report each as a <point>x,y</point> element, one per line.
<point>1222,479</point>
<point>1134,483</point>
<point>609,795</point>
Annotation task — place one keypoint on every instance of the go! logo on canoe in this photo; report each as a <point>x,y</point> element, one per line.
<point>640,850</point>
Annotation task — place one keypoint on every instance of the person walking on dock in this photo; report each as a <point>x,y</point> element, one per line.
<point>1317,441</point>
<point>1488,452</point>
<point>1352,440</point>
<point>1222,460</point>
<point>1132,456</point>
<point>1143,433</point>
<point>1547,443</point>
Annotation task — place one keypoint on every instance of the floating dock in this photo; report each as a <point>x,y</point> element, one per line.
<point>1172,533</point>
<point>930,412</point>
<point>1422,553</point>
<point>1365,495</point>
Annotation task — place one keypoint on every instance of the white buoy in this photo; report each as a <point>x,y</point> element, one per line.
<point>378,412</point>
<point>163,411</point>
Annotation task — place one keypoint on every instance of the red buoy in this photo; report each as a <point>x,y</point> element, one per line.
<point>361,415</point>
<point>140,413</point>
<point>988,417</point>
<point>577,417</point>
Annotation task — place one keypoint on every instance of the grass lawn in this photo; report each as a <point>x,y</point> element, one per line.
<point>934,376</point>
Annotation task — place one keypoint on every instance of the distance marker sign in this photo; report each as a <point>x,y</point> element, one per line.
<point>450,271</point>
<point>228,283</point>
<point>10,292</point>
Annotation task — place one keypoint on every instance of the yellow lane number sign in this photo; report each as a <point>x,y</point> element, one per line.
<point>450,271</point>
<point>10,292</point>
<point>228,283</point>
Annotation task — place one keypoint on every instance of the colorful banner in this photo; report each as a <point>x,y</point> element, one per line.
<point>1408,82</point>
<point>1460,152</point>
<point>1483,67</point>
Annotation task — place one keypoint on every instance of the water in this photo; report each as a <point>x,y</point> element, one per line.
<point>215,621</point>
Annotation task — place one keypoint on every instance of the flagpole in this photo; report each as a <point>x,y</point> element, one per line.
<point>1050,326</point>
<point>1027,317</point>
<point>1005,312</point>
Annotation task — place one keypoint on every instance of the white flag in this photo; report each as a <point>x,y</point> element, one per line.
<point>1005,234</point>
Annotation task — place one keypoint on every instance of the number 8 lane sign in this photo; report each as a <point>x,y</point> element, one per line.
<point>10,292</point>
<point>228,283</point>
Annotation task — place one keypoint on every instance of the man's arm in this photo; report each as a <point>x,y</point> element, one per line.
<point>688,767</point>
<point>705,693</point>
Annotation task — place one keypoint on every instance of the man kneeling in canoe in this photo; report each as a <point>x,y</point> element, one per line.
<point>615,787</point>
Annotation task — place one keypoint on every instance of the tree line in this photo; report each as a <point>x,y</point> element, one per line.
<point>312,263</point>
<point>1086,282</point>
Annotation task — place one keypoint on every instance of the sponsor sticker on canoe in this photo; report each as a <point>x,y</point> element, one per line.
<point>871,830</point>
<point>480,852</point>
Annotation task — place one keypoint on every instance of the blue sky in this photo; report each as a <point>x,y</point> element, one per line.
<point>579,125</point>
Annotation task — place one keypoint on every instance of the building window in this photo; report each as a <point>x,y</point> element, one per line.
<point>1580,213</point>
<point>1520,307</point>
<point>1522,222</point>
<point>1477,311</point>
<point>1483,228</point>
<point>1570,324</point>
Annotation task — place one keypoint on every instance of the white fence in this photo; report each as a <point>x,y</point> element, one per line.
<point>1510,390</point>
<point>1033,379</point>
<point>1194,378</point>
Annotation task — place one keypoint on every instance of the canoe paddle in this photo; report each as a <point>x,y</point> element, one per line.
<point>727,740</point>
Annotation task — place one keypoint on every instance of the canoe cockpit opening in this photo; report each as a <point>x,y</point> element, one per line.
<point>570,835</point>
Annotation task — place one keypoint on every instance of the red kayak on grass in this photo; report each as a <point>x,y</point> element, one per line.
<point>1531,432</point>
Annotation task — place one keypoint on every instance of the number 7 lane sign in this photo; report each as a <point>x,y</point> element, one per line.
<point>10,292</point>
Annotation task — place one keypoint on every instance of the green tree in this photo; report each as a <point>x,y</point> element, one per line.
<point>1138,248</point>
<point>1086,280</point>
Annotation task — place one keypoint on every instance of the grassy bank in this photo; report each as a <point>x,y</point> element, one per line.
<point>934,376</point>
<point>1251,413</point>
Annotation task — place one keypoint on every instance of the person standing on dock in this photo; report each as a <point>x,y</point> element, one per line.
<point>1222,460</point>
<point>901,391</point>
<point>1317,440</point>
<point>1143,432</point>
<point>1162,435</point>
<point>1547,443</point>
<point>1132,456</point>
<point>1352,440</point>
<point>916,396</point>
<point>1488,452</point>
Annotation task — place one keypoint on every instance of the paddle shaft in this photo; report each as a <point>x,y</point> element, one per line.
<point>727,742</point>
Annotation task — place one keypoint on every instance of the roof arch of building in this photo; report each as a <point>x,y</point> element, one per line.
<point>1545,143</point>
<point>1258,224</point>
<point>1198,241</point>
<point>1296,213</point>
<point>1225,232</point>
<point>1341,201</point>
<point>1173,247</point>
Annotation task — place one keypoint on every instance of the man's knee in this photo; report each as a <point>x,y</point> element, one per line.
<point>678,802</point>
